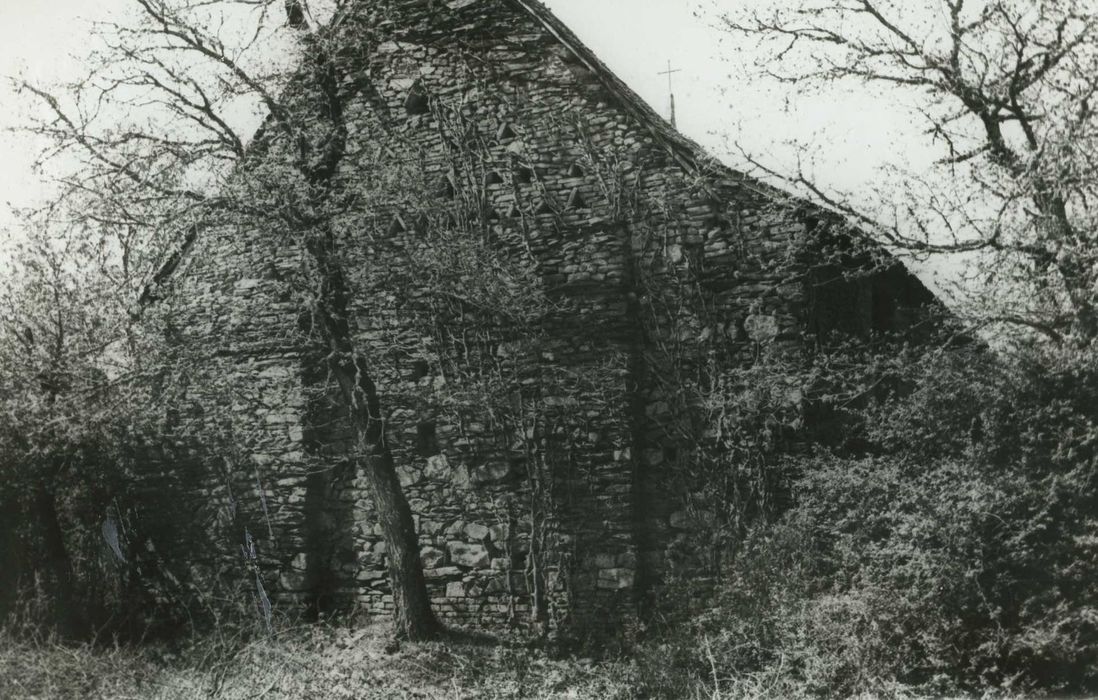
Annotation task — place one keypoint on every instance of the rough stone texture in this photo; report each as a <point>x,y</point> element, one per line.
<point>489,115</point>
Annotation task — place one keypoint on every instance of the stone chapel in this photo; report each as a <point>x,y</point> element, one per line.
<point>559,295</point>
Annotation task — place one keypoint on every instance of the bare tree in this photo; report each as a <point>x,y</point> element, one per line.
<point>62,307</point>
<point>1007,90</point>
<point>160,149</point>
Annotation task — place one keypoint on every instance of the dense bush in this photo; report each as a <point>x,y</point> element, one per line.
<point>947,543</point>
<point>96,536</point>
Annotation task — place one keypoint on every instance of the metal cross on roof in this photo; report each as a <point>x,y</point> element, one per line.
<point>670,88</point>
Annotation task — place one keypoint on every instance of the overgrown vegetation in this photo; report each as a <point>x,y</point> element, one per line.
<point>944,544</point>
<point>315,661</point>
<point>939,535</point>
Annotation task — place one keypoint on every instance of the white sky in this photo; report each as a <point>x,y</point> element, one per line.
<point>717,105</point>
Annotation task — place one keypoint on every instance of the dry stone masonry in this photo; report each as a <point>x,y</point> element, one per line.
<point>548,281</point>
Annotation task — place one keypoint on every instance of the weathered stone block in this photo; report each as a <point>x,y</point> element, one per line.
<point>499,532</point>
<point>489,473</point>
<point>455,589</point>
<point>476,531</point>
<point>432,558</point>
<point>473,556</point>
<point>438,467</point>
<point>408,475</point>
<point>442,572</point>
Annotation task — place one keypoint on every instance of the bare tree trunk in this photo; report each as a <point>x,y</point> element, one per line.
<point>58,565</point>
<point>13,558</point>
<point>413,618</point>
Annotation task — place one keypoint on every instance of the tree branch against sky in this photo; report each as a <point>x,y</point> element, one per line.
<point>148,142</point>
<point>1005,90</point>
<point>46,42</point>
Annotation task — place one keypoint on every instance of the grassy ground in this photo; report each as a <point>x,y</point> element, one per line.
<point>321,662</point>
<point>305,663</point>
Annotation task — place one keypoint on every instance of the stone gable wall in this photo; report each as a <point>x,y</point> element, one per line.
<point>536,433</point>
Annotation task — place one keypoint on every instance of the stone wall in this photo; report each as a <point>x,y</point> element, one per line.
<point>543,275</point>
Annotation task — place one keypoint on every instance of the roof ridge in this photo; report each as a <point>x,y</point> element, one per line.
<point>687,152</point>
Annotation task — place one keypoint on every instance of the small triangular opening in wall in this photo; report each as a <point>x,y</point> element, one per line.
<point>416,102</point>
<point>576,200</point>
<point>576,170</point>
<point>493,178</point>
<point>544,208</point>
<point>524,175</point>
<point>420,369</point>
<point>514,212</point>
<point>447,190</point>
<point>506,133</point>
<point>397,226</point>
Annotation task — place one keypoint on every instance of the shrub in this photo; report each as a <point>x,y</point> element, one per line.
<point>953,548</point>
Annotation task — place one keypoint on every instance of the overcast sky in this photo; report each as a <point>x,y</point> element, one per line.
<point>717,103</point>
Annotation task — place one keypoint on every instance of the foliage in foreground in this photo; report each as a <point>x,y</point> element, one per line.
<point>947,544</point>
<point>304,662</point>
<point>326,662</point>
<point>943,545</point>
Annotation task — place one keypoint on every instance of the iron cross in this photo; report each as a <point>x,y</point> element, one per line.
<point>670,88</point>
